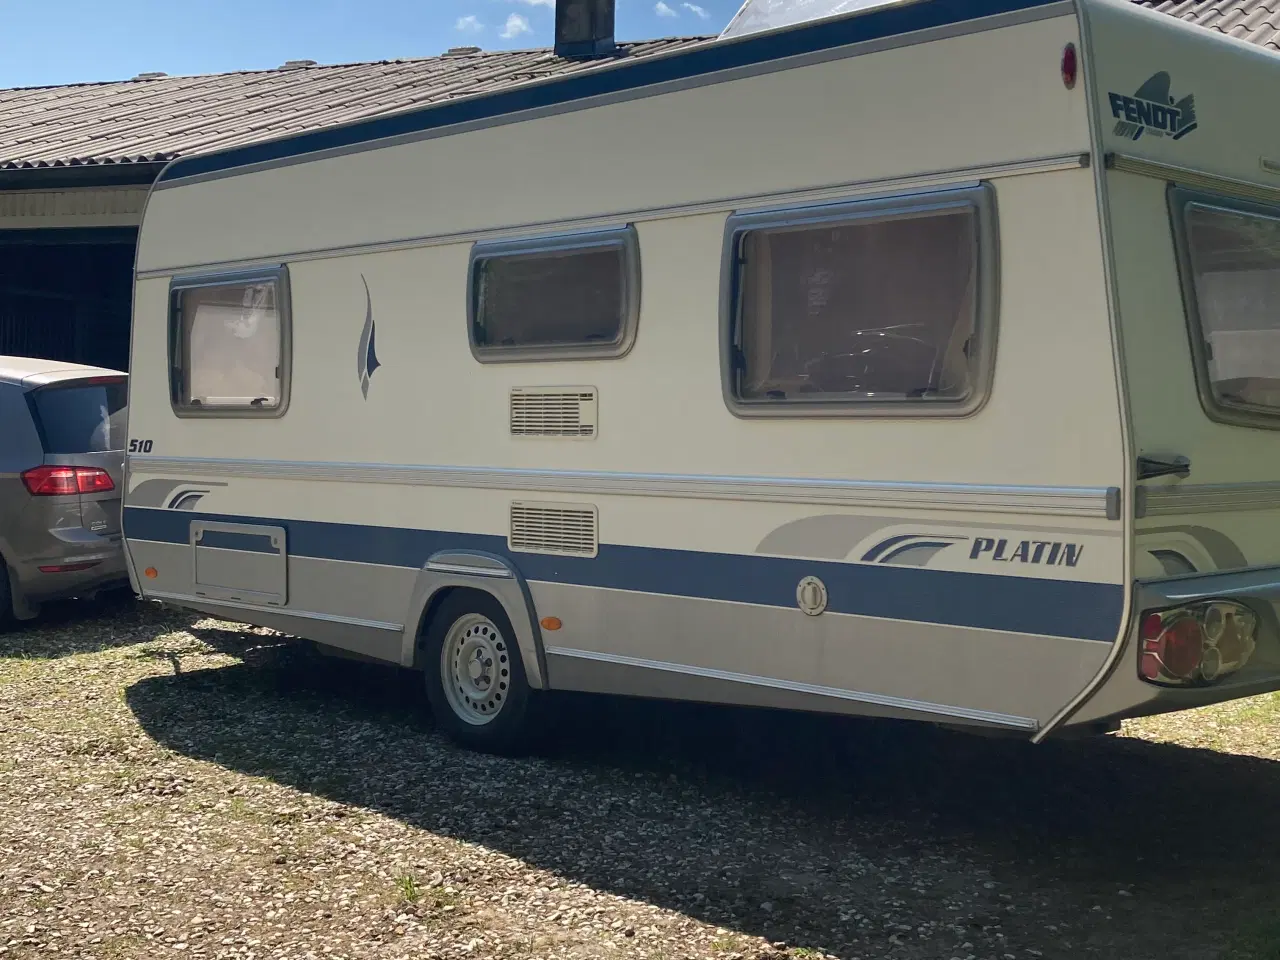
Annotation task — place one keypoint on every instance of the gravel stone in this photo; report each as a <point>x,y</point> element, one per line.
<point>172,785</point>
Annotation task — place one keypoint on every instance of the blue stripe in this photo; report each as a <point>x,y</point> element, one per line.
<point>68,236</point>
<point>874,553</point>
<point>1059,608</point>
<point>716,57</point>
<point>907,548</point>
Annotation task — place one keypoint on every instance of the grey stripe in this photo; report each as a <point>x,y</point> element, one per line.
<point>898,703</point>
<point>816,194</point>
<point>1209,498</point>
<point>1013,18</point>
<point>1091,502</point>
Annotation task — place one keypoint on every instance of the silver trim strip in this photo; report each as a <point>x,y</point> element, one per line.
<point>187,598</point>
<point>998,21</point>
<point>1197,179</point>
<point>880,700</point>
<point>1183,499</point>
<point>837,191</point>
<point>462,569</point>
<point>1089,502</point>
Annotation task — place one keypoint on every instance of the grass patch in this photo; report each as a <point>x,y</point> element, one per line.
<point>1258,941</point>
<point>1250,726</point>
<point>410,892</point>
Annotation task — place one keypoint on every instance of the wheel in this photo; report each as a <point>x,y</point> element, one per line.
<point>6,599</point>
<point>475,678</point>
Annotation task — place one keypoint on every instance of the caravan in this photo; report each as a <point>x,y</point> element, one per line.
<point>919,361</point>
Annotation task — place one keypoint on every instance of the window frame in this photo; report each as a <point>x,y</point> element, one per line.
<point>1180,200</point>
<point>279,275</point>
<point>978,197</point>
<point>624,239</point>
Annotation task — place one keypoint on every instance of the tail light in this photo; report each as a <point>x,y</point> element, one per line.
<point>53,481</point>
<point>70,567</point>
<point>1196,645</point>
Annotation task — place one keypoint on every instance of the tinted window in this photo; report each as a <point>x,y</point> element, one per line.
<point>875,308</point>
<point>81,417</point>
<point>229,346</point>
<point>1235,266</point>
<point>567,296</point>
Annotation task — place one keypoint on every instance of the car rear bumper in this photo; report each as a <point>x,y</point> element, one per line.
<point>73,569</point>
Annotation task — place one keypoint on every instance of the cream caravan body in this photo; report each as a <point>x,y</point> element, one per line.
<point>332,434</point>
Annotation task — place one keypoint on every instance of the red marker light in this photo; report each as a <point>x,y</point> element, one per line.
<point>1070,65</point>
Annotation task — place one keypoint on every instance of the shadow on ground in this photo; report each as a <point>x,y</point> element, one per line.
<point>65,628</point>
<point>797,822</point>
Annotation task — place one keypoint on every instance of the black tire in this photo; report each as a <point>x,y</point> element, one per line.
<point>7,618</point>
<point>492,711</point>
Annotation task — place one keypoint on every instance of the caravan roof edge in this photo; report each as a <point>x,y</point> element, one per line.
<point>618,79</point>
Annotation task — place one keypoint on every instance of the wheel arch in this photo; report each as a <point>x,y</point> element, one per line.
<point>449,571</point>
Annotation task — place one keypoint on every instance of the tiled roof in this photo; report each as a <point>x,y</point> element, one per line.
<point>157,119</point>
<point>1257,21</point>
<point>153,120</point>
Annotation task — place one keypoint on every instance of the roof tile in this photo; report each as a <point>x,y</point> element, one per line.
<point>1253,20</point>
<point>136,121</point>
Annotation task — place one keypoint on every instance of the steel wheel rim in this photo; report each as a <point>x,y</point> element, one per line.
<point>475,667</point>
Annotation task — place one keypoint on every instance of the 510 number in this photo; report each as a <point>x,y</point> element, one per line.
<point>139,446</point>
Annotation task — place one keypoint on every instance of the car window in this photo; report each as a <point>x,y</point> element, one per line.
<point>82,416</point>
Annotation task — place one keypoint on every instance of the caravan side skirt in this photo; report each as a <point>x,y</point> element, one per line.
<point>892,640</point>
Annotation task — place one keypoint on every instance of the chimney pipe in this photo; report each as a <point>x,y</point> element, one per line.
<point>584,28</point>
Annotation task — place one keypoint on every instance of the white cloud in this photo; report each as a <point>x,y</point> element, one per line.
<point>469,24</point>
<point>550,4</point>
<point>662,10</point>
<point>696,10</point>
<point>515,26</point>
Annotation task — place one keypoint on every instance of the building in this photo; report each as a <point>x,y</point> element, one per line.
<point>76,161</point>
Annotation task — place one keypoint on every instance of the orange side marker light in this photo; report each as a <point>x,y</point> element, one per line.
<point>551,623</point>
<point>151,573</point>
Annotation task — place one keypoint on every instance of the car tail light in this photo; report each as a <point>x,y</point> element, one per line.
<point>94,480</point>
<point>1198,644</point>
<point>54,481</point>
<point>70,567</point>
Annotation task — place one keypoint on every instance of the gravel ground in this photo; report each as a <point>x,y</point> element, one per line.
<point>172,785</point>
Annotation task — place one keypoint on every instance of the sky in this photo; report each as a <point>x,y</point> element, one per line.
<point>74,41</point>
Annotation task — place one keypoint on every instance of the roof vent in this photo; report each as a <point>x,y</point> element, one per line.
<point>584,28</point>
<point>154,75</point>
<point>461,51</point>
<point>297,64</point>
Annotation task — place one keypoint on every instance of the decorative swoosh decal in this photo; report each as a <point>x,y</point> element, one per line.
<point>367,358</point>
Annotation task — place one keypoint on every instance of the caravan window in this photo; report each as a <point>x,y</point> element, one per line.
<point>1231,256</point>
<point>555,298</point>
<point>878,307</point>
<point>229,341</point>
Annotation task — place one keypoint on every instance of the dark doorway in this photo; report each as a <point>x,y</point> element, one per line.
<point>65,294</point>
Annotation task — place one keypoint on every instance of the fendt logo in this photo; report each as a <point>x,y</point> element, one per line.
<point>1152,110</point>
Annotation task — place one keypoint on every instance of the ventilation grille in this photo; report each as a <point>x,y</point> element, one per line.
<point>553,412</point>
<point>559,528</point>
